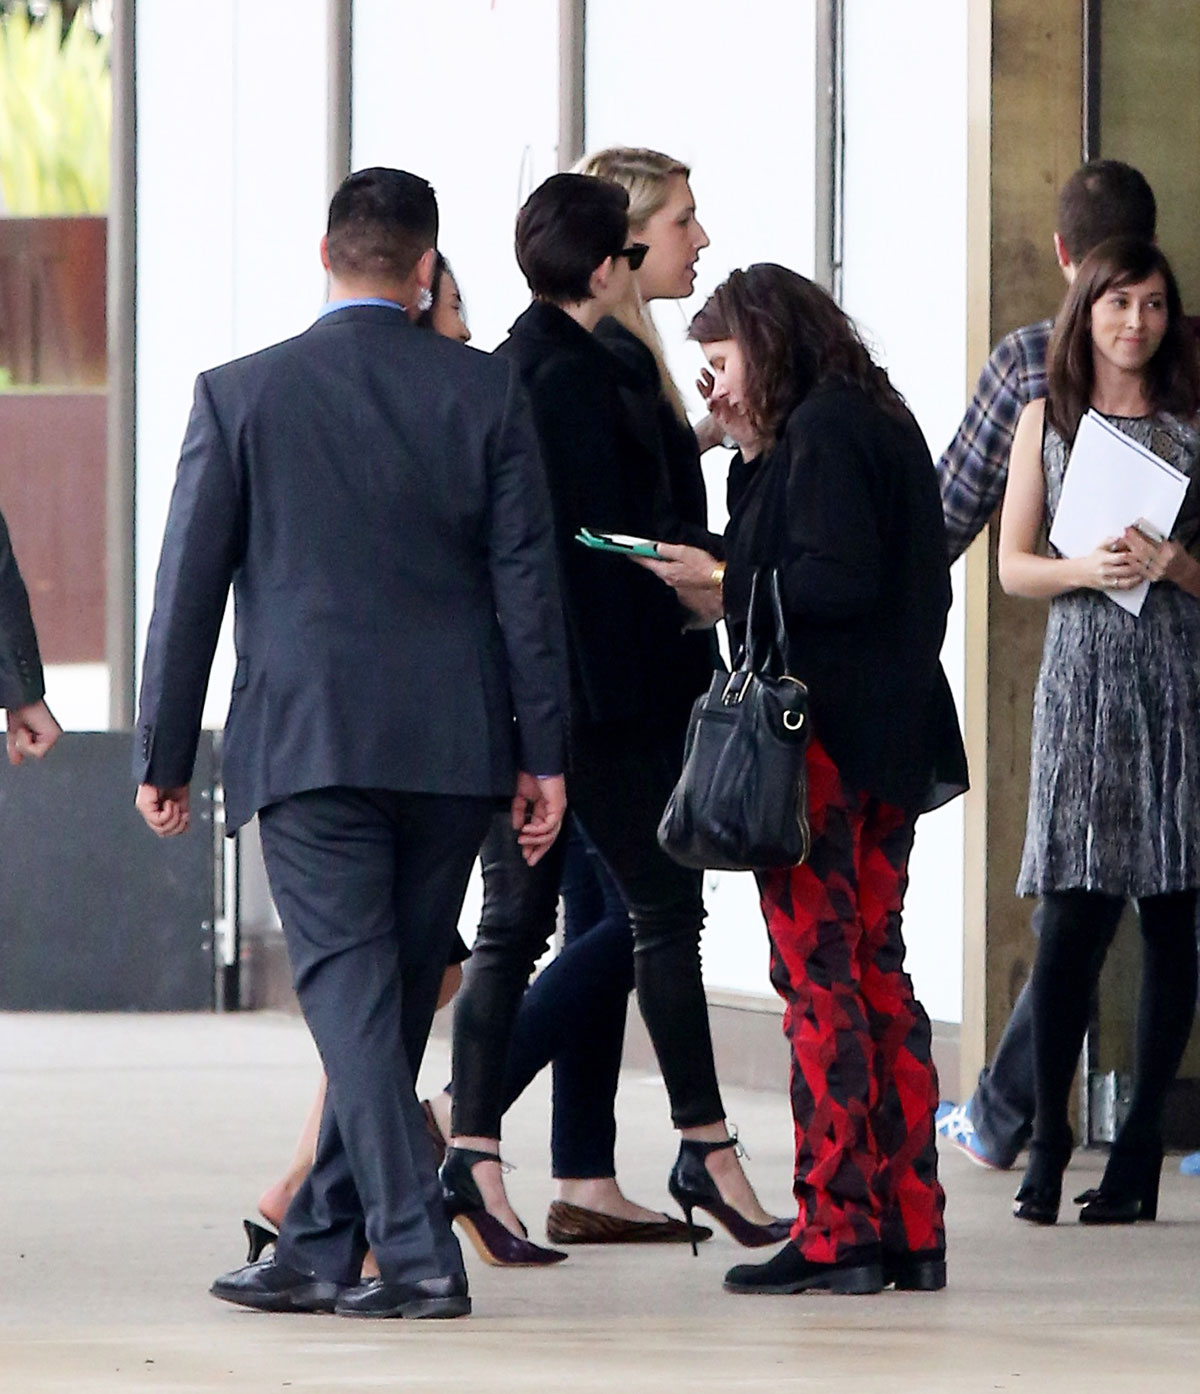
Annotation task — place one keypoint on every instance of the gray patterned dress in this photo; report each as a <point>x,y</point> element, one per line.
<point>1114,787</point>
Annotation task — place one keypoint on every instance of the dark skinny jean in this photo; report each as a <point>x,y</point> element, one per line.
<point>618,787</point>
<point>573,1016</point>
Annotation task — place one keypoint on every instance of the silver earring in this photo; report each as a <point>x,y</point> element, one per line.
<point>425,300</point>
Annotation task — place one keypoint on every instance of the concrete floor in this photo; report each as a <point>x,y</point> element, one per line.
<point>132,1147</point>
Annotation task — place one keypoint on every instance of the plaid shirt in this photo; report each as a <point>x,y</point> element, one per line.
<point>974,468</point>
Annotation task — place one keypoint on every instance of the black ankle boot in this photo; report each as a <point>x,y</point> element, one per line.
<point>1040,1193</point>
<point>916,1270</point>
<point>859,1271</point>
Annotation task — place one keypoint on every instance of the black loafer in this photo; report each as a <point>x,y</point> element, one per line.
<point>270,1286</point>
<point>789,1271</point>
<point>425,1299</point>
<point>918,1270</point>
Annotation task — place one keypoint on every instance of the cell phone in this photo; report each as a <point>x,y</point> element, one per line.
<point>1149,532</point>
<point>620,543</point>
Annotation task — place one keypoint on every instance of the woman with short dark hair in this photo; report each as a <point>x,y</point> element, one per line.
<point>634,675</point>
<point>834,488</point>
<point>1115,768</point>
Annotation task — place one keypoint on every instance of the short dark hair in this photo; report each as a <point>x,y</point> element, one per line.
<point>794,337</point>
<point>1103,199</point>
<point>566,229</point>
<point>1172,375</point>
<point>381,222</point>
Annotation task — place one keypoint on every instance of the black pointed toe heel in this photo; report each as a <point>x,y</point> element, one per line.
<point>1038,1200</point>
<point>493,1241</point>
<point>1128,1191</point>
<point>258,1238</point>
<point>693,1188</point>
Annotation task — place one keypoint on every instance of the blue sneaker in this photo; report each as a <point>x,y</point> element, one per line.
<point>956,1127</point>
<point>1190,1166</point>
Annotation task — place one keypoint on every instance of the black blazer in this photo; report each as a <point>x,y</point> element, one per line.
<point>374,493</point>
<point>630,659</point>
<point>21,680</point>
<point>684,499</point>
<point>846,504</point>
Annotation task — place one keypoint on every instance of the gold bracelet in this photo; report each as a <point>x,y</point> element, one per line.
<point>718,575</point>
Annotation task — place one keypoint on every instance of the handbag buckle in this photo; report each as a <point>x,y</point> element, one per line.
<point>792,721</point>
<point>731,695</point>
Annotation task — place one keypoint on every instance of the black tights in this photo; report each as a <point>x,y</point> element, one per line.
<point>1077,929</point>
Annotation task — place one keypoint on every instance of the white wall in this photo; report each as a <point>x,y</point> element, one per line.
<point>905,282</point>
<point>230,212</point>
<point>465,93</point>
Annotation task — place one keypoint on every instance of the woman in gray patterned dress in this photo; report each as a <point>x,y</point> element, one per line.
<point>1114,797</point>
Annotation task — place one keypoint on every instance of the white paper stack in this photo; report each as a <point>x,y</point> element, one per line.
<point>1111,482</point>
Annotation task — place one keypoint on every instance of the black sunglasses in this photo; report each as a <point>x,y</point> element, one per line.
<point>634,254</point>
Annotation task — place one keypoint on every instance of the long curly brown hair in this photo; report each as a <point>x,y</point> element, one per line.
<point>1172,376</point>
<point>794,337</point>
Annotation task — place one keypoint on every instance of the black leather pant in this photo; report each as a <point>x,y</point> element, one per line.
<point>618,787</point>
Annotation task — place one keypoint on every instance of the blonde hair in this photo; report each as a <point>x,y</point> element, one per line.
<point>646,176</point>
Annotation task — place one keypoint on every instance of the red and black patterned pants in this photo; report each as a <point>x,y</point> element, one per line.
<point>863,1086</point>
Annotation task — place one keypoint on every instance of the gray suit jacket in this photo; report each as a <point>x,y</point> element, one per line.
<point>20,663</point>
<point>375,496</point>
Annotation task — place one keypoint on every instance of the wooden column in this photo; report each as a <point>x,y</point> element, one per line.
<point>1025,115</point>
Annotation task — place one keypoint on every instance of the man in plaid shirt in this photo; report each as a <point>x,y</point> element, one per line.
<point>1103,199</point>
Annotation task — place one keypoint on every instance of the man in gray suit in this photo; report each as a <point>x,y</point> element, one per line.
<point>374,494</point>
<point>32,730</point>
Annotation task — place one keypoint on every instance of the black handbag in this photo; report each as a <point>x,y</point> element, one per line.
<point>741,803</point>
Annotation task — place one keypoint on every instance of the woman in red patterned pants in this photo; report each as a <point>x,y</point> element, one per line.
<point>834,488</point>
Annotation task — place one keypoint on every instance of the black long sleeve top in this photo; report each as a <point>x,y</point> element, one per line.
<point>846,505</point>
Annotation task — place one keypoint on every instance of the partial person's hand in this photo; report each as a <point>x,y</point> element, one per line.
<point>683,567</point>
<point>705,605</point>
<point>1111,567</point>
<point>1161,561</point>
<point>709,432</point>
<point>165,810</point>
<point>723,420</point>
<point>538,808</point>
<point>32,730</point>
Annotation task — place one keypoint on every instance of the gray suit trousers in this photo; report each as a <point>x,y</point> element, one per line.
<point>369,885</point>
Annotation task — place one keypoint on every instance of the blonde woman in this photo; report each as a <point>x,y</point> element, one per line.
<point>662,216</point>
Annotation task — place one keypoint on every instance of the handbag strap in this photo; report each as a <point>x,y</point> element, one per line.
<point>764,650</point>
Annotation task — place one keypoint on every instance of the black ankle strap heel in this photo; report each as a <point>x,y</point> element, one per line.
<point>494,1242</point>
<point>693,1188</point>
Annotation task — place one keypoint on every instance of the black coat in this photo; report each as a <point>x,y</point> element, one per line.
<point>630,659</point>
<point>846,504</point>
<point>373,492</point>
<point>20,664</point>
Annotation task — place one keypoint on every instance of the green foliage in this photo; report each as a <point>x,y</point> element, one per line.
<point>55,116</point>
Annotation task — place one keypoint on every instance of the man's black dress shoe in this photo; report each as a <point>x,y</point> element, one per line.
<point>918,1270</point>
<point>425,1298</point>
<point>270,1286</point>
<point>789,1271</point>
